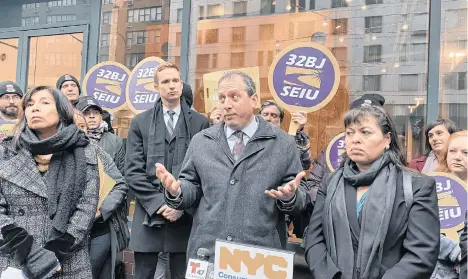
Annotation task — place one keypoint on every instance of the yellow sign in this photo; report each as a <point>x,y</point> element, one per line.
<point>6,128</point>
<point>234,260</point>
<point>210,84</point>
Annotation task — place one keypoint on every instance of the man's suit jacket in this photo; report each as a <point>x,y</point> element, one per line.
<point>141,177</point>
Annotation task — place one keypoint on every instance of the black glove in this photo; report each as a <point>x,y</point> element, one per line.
<point>40,264</point>
<point>16,243</point>
<point>62,246</point>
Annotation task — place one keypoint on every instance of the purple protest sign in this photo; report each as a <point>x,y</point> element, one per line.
<point>141,94</point>
<point>335,149</point>
<point>304,77</point>
<point>451,193</point>
<point>107,82</point>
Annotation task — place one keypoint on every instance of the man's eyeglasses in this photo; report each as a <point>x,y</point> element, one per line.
<point>10,97</point>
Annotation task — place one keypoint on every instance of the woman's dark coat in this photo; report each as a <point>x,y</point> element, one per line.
<point>412,242</point>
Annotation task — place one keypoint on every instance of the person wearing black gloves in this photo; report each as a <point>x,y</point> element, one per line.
<point>70,87</point>
<point>49,191</point>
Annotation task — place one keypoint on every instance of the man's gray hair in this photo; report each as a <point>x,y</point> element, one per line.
<point>249,84</point>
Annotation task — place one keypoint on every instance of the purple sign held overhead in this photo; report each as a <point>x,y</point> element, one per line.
<point>451,193</point>
<point>107,82</point>
<point>304,77</point>
<point>334,152</point>
<point>141,93</point>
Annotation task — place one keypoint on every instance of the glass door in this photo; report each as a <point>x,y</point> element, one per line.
<point>52,53</point>
<point>8,58</point>
<point>53,56</point>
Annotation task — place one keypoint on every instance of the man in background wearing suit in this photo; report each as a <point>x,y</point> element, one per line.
<point>160,135</point>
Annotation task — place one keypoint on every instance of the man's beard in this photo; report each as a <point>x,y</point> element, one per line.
<point>8,111</point>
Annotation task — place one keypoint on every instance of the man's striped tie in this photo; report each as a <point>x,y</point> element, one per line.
<point>170,122</point>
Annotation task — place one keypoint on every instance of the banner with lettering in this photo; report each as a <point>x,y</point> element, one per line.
<point>210,84</point>
<point>107,82</point>
<point>235,260</point>
<point>304,77</point>
<point>452,196</point>
<point>141,94</point>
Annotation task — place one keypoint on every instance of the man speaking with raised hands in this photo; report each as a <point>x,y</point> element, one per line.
<point>241,175</point>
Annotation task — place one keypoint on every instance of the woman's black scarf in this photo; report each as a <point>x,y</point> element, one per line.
<point>66,177</point>
<point>382,178</point>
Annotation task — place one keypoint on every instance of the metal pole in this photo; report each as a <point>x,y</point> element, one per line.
<point>184,50</point>
<point>432,107</point>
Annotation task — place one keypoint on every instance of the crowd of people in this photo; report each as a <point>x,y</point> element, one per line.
<point>65,178</point>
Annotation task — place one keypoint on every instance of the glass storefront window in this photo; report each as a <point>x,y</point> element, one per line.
<point>453,63</point>
<point>16,13</point>
<point>381,47</point>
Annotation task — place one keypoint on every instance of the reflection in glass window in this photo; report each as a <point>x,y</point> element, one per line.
<point>29,21</point>
<point>372,53</point>
<point>61,3</point>
<point>267,31</point>
<point>30,6</point>
<point>60,18</point>
<point>238,34</point>
<point>409,82</point>
<point>201,12</point>
<point>371,82</point>
<point>179,15</point>
<point>106,18</point>
<point>373,24</point>
<point>373,2</point>
<point>145,14</point>
<point>178,39</point>
<point>211,36</point>
<point>132,59</point>
<point>237,60</point>
<point>340,26</point>
<point>404,52</point>
<point>260,58</point>
<point>419,52</point>
<point>157,36</point>
<point>108,2</point>
<point>215,11</point>
<point>455,81</point>
<point>240,8</point>
<point>203,61</point>
<point>104,40</point>
<point>339,3</point>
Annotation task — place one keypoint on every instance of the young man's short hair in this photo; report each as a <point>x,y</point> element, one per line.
<point>162,67</point>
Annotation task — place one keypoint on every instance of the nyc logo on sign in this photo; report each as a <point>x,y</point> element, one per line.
<point>107,82</point>
<point>234,260</point>
<point>304,75</point>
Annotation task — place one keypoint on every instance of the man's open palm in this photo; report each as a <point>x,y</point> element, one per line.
<point>167,180</point>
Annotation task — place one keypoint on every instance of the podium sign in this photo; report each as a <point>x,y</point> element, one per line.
<point>234,260</point>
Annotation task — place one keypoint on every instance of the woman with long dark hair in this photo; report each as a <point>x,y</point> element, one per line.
<point>49,191</point>
<point>437,135</point>
<point>373,218</point>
